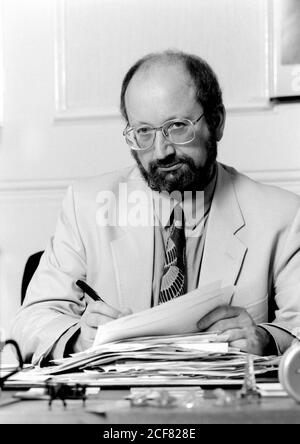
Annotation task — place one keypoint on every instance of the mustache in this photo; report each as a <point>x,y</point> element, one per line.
<point>169,162</point>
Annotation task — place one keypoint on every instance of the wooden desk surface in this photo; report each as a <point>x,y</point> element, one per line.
<point>269,410</point>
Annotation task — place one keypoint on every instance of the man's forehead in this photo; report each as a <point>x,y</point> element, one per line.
<point>159,73</point>
<point>167,88</point>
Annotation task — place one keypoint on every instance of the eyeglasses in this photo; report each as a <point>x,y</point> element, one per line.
<point>178,131</point>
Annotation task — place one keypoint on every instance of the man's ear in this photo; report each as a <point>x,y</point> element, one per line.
<point>220,117</point>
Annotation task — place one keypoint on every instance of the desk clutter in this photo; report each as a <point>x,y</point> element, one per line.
<point>158,360</point>
<point>167,379</point>
<point>180,390</point>
<point>170,358</point>
<point>152,348</point>
<point>167,371</point>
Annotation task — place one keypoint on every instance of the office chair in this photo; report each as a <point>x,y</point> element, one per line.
<point>29,270</point>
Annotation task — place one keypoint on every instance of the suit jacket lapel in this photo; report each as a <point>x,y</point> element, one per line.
<point>132,250</point>
<point>224,253</point>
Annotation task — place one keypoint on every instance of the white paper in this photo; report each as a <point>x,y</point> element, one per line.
<point>178,316</point>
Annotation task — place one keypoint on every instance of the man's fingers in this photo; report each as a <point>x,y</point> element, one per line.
<point>227,324</point>
<point>126,312</point>
<point>103,314</point>
<point>95,319</point>
<point>220,313</point>
<point>102,308</point>
<point>241,344</point>
<point>90,335</point>
<point>234,334</point>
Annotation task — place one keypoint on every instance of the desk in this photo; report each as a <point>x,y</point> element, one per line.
<point>270,410</point>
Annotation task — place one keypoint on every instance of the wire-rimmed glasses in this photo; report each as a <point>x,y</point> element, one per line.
<point>177,131</point>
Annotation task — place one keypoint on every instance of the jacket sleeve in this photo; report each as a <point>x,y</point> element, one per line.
<point>286,325</point>
<point>53,303</point>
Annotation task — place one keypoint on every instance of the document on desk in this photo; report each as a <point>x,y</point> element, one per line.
<point>151,362</point>
<point>160,345</point>
<point>178,316</point>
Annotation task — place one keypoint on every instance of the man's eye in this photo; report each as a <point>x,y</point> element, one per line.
<point>144,130</point>
<point>177,125</point>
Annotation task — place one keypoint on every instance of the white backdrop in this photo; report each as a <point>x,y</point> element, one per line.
<point>62,62</point>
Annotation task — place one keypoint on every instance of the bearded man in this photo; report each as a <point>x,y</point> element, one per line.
<point>201,221</point>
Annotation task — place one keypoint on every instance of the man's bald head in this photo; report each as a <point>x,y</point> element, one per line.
<point>200,75</point>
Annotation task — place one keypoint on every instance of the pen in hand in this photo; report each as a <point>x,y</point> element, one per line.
<point>96,297</point>
<point>94,315</point>
<point>88,290</point>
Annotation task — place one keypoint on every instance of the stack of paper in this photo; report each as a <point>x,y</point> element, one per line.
<point>163,348</point>
<point>175,356</point>
<point>178,316</point>
<point>161,345</point>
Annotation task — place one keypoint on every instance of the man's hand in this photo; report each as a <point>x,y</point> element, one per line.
<point>96,313</point>
<point>238,327</point>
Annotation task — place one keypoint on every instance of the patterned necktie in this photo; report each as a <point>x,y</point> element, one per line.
<point>173,279</point>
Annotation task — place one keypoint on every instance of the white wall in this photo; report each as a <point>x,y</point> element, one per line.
<point>63,62</point>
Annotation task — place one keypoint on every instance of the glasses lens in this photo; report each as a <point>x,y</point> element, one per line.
<point>129,137</point>
<point>179,131</point>
<point>140,138</point>
<point>144,136</point>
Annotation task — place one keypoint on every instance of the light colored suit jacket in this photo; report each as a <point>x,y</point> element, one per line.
<point>252,241</point>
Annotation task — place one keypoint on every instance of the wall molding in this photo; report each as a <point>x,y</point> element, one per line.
<point>63,112</point>
<point>63,115</point>
<point>287,179</point>
<point>35,185</point>
<point>22,191</point>
<point>270,176</point>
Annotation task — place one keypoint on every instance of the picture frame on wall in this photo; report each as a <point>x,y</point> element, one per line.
<point>1,67</point>
<point>286,49</point>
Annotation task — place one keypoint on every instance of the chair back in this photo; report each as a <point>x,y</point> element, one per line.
<point>29,270</point>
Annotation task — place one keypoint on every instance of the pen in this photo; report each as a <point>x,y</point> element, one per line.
<point>95,296</point>
<point>88,290</point>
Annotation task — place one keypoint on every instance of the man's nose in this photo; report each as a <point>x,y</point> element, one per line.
<point>162,147</point>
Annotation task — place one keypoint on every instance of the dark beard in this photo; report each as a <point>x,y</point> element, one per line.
<point>187,178</point>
